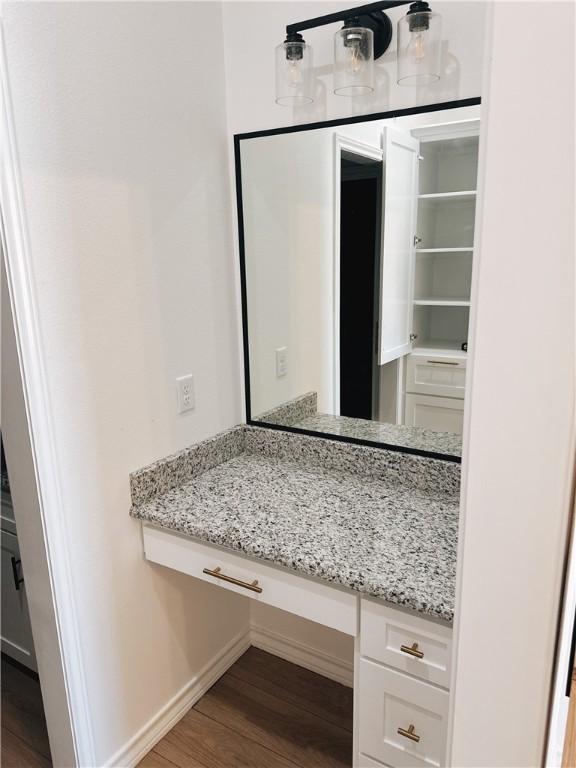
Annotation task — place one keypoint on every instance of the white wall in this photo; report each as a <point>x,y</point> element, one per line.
<point>288,195</point>
<point>122,139</point>
<point>253,30</point>
<point>518,457</point>
<point>320,648</point>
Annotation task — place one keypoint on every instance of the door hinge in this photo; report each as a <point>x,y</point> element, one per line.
<point>413,336</point>
<point>417,240</point>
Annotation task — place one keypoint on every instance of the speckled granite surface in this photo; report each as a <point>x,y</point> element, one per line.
<point>391,434</point>
<point>287,414</point>
<point>302,412</point>
<point>381,523</point>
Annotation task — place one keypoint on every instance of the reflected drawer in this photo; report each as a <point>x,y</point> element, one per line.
<point>432,374</point>
<point>408,643</point>
<point>402,721</point>
<point>296,594</point>
<point>441,414</point>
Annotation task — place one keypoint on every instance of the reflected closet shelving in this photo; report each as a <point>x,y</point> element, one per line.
<point>445,241</point>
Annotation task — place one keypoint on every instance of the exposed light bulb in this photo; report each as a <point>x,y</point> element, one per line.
<point>353,59</point>
<point>356,59</point>
<point>417,45</point>
<point>294,73</point>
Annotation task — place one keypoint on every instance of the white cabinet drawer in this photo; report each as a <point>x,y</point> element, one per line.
<point>367,762</point>
<point>441,414</point>
<point>408,643</point>
<point>402,721</point>
<point>431,374</point>
<point>324,604</point>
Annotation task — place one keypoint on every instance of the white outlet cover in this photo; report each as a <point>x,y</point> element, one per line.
<point>185,393</point>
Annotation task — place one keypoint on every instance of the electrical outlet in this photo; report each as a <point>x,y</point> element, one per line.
<point>185,390</point>
<point>281,362</point>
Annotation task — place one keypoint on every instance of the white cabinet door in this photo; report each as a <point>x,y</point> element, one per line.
<point>16,630</point>
<point>400,205</point>
<point>442,414</point>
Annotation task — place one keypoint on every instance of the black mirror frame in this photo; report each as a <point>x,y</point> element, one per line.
<point>239,137</point>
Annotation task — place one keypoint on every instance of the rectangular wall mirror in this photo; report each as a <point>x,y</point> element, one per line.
<point>356,248</point>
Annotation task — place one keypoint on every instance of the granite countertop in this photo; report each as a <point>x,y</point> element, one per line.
<point>381,523</point>
<point>302,412</point>
<point>422,439</point>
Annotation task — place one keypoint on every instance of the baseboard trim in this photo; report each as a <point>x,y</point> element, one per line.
<point>299,653</point>
<point>315,660</point>
<point>158,726</point>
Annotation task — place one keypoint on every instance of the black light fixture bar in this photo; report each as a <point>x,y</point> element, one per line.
<point>350,13</point>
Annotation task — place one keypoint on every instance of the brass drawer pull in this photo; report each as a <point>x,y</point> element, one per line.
<point>412,650</point>
<point>217,572</point>
<point>441,362</point>
<point>409,734</point>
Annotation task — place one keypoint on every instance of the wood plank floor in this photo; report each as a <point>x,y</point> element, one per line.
<point>24,736</point>
<point>263,713</point>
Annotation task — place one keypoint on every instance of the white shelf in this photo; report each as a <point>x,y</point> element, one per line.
<point>466,195</point>
<point>442,302</point>
<point>445,250</point>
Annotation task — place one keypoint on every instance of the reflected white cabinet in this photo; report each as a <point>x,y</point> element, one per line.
<point>16,630</point>
<point>433,263</point>
<point>435,387</point>
<point>397,273</point>
<point>435,371</point>
<point>441,414</point>
<point>445,234</point>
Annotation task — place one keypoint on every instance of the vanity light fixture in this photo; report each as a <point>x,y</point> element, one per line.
<point>294,83</point>
<point>353,59</point>
<point>418,46</point>
<point>365,36</point>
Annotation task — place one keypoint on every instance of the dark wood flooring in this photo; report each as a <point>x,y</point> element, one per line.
<point>263,713</point>
<point>24,735</point>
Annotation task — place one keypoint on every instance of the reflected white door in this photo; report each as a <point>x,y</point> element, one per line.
<point>400,205</point>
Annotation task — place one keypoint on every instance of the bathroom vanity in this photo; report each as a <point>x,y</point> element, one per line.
<point>358,539</point>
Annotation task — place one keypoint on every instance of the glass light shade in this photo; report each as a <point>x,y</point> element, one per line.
<point>294,82</point>
<point>419,49</point>
<point>353,61</point>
